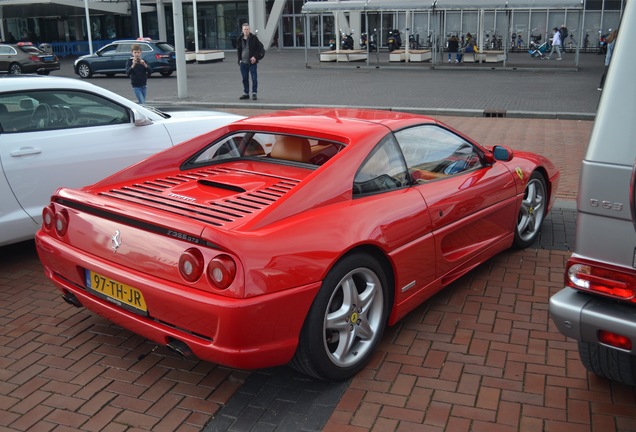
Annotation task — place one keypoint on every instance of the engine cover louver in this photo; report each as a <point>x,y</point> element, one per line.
<point>236,202</point>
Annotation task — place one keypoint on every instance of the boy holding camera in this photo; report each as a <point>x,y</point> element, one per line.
<point>138,70</point>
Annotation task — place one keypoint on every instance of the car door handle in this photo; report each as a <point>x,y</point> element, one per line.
<point>26,151</point>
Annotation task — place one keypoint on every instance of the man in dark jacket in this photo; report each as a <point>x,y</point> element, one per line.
<point>248,50</point>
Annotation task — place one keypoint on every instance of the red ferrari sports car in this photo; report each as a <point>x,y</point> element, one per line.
<point>293,237</point>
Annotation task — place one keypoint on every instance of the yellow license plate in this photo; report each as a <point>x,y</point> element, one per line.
<point>115,292</point>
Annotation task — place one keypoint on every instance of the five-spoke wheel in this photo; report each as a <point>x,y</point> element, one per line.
<point>531,212</point>
<point>346,320</point>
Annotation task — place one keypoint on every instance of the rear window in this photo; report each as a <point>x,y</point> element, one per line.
<point>267,147</point>
<point>165,47</point>
<point>31,50</point>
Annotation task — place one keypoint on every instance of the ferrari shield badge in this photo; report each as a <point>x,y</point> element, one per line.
<point>519,172</point>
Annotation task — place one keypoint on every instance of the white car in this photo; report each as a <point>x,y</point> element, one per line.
<point>58,131</point>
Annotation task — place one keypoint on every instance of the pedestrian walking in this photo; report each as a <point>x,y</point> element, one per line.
<point>138,70</point>
<point>556,45</point>
<point>250,50</point>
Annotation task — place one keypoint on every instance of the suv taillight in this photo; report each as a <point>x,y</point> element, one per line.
<point>601,279</point>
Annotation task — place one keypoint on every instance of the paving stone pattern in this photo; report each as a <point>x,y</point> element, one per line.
<point>481,355</point>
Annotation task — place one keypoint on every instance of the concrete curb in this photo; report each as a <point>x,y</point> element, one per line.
<point>424,111</point>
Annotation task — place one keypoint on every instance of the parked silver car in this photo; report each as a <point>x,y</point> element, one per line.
<point>58,131</point>
<point>598,306</point>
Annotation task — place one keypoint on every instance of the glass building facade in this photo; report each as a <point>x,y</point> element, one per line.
<point>219,22</point>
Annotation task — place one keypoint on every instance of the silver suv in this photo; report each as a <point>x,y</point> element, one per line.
<point>598,306</point>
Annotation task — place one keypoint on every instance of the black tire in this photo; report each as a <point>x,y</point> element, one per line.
<point>15,69</point>
<point>392,47</point>
<point>531,212</point>
<point>608,363</point>
<point>346,320</point>
<point>84,70</point>
<point>166,73</point>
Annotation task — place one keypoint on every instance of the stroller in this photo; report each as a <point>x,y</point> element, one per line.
<point>536,49</point>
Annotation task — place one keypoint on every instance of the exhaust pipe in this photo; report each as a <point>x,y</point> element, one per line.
<point>71,299</point>
<point>180,348</point>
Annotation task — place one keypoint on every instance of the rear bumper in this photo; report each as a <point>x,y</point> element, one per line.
<point>247,333</point>
<point>41,68</point>
<point>580,316</point>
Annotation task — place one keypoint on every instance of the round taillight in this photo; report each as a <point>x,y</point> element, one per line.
<point>61,223</point>
<point>48,216</point>
<point>222,271</point>
<point>191,265</point>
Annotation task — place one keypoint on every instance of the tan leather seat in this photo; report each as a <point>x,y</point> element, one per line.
<point>291,148</point>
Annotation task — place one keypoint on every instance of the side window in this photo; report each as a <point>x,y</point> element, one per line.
<point>433,152</point>
<point>57,109</point>
<point>6,50</point>
<point>108,50</point>
<point>382,171</point>
<point>124,48</point>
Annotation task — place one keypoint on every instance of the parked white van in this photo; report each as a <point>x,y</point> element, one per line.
<point>598,306</point>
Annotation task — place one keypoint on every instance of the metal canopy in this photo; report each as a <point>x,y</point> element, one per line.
<point>426,5</point>
<point>329,6</point>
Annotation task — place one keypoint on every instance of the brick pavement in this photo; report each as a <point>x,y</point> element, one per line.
<point>481,354</point>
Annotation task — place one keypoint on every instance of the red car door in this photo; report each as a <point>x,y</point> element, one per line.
<point>470,213</point>
<point>472,204</point>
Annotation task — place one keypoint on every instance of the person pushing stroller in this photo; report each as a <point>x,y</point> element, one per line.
<point>556,44</point>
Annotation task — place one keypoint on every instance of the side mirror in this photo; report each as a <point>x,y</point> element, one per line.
<point>502,153</point>
<point>140,119</point>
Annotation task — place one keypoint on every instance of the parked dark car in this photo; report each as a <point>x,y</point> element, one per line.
<point>24,57</point>
<point>111,59</point>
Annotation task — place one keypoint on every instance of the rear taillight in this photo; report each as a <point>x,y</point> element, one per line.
<point>615,340</point>
<point>162,56</point>
<point>221,271</point>
<point>34,58</point>
<point>601,279</point>
<point>61,222</point>
<point>191,265</point>
<point>48,217</point>
<point>54,220</point>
